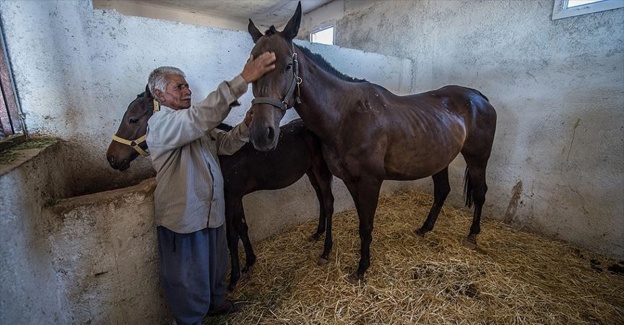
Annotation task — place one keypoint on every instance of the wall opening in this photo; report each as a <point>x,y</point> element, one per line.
<point>323,36</point>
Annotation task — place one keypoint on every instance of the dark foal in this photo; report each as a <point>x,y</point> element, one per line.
<point>369,134</point>
<point>246,171</point>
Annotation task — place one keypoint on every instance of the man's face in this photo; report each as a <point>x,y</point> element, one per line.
<point>178,94</point>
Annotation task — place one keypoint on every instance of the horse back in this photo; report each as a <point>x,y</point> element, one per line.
<point>413,136</point>
<point>249,170</point>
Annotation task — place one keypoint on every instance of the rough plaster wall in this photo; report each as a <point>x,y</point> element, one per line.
<point>133,8</point>
<point>103,252</point>
<point>29,287</point>
<point>558,87</point>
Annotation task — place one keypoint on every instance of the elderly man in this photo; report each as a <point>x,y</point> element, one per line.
<point>189,204</point>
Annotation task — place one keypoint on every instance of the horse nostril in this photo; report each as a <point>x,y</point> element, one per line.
<point>270,133</point>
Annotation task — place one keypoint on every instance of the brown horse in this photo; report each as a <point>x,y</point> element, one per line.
<point>246,171</point>
<point>369,134</point>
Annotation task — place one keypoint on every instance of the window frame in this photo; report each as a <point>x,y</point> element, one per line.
<point>11,120</point>
<point>561,9</point>
<point>322,28</point>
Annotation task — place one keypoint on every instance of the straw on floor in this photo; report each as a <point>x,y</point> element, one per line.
<point>514,277</point>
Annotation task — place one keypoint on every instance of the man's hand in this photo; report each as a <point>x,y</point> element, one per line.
<point>256,68</point>
<point>248,117</point>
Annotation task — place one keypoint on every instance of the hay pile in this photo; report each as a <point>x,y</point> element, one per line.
<point>514,277</point>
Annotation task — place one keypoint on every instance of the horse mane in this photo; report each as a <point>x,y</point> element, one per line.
<point>141,94</point>
<point>320,61</point>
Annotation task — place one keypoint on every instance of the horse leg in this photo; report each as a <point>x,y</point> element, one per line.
<point>441,189</point>
<point>475,189</point>
<point>232,235</point>
<point>250,256</point>
<point>321,179</point>
<point>320,229</point>
<point>365,195</point>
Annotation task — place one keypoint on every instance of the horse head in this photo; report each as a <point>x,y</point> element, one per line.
<point>129,141</point>
<point>277,90</point>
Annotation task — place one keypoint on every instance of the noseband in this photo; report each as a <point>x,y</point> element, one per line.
<point>296,81</point>
<point>136,144</point>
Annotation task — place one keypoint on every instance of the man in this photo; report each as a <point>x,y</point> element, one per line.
<point>189,204</point>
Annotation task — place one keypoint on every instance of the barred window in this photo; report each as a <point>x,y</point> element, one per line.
<point>11,125</point>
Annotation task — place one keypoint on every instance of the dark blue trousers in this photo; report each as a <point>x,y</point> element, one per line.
<point>193,270</point>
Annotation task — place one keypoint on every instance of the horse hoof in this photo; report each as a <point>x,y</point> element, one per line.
<point>231,288</point>
<point>322,261</point>
<point>355,279</point>
<point>246,271</point>
<point>470,243</point>
<point>420,233</point>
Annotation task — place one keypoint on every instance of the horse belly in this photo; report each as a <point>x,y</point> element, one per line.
<point>420,159</point>
<point>415,169</point>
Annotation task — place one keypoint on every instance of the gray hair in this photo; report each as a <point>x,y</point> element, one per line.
<point>158,78</point>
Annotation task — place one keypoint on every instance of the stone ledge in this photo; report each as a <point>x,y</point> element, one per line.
<point>16,156</point>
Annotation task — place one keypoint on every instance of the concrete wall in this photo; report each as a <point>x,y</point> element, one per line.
<point>84,260</point>
<point>558,87</point>
<point>142,9</point>
<point>29,287</point>
<point>73,258</point>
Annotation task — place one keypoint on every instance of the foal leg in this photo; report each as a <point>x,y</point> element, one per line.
<point>236,227</point>
<point>320,229</point>
<point>232,234</point>
<point>250,256</point>
<point>441,189</point>
<point>321,179</point>
<point>365,195</point>
<point>478,188</point>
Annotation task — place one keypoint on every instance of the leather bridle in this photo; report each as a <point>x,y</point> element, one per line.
<point>293,89</point>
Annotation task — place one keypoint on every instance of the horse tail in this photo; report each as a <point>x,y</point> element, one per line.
<point>468,188</point>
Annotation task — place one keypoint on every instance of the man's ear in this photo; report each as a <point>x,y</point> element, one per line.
<point>158,94</point>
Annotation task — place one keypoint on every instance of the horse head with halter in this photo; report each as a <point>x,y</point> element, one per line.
<point>129,140</point>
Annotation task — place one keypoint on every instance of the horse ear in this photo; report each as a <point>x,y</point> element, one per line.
<point>253,31</point>
<point>292,28</point>
<point>147,92</point>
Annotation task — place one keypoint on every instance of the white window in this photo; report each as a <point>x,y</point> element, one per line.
<point>570,8</point>
<point>324,36</point>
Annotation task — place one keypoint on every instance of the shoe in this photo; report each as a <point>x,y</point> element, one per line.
<point>226,308</point>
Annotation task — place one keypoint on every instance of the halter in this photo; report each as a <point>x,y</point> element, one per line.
<point>296,81</point>
<point>136,144</point>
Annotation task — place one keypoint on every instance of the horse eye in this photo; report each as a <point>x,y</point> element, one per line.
<point>289,66</point>
<point>134,120</point>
